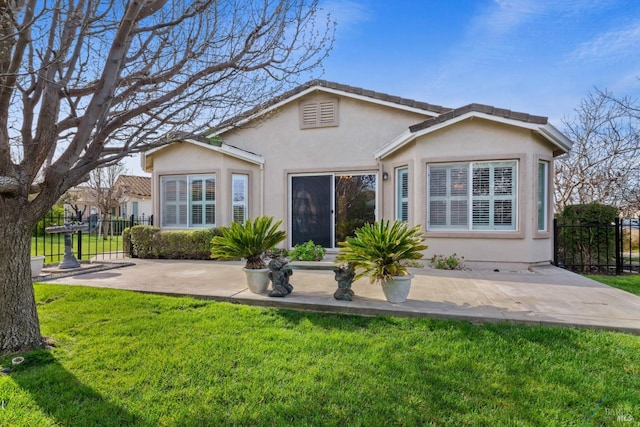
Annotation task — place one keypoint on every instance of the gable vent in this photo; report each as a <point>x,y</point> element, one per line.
<point>319,114</point>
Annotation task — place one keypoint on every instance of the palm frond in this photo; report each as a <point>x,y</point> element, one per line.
<point>377,250</point>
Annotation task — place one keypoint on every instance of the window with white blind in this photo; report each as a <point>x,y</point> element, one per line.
<point>319,114</point>
<point>188,201</point>
<point>472,196</point>
<point>402,194</point>
<point>240,185</point>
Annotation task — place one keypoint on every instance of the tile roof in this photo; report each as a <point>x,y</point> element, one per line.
<point>479,108</point>
<point>379,96</point>
<point>135,185</point>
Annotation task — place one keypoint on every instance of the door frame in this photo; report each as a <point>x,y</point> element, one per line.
<point>332,174</point>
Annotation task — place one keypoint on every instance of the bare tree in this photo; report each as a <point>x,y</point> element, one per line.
<point>104,193</point>
<point>604,163</point>
<point>84,83</point>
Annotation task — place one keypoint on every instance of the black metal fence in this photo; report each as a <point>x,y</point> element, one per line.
<point>598,248</point>
<point>102,240</point>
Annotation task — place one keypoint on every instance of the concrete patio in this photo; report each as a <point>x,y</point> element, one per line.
<point>544,296</point>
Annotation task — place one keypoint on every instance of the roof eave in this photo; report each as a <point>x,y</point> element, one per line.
<point>223,148</point>
<point>548,131</point>
<point>321,88</point>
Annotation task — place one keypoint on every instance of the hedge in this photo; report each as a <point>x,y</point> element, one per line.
<point>588,237</point>
<point>150,242</point>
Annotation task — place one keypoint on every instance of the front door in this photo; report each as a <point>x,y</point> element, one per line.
<point>311,209</point>
<point>328,208</point>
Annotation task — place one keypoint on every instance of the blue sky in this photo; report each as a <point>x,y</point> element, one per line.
<point>536,56</point>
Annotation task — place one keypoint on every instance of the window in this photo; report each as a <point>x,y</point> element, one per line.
<point>188,201</point>
<point>319,114</point>
<point>134,209</point>
<point>402,194</point>
<point>240,184</point>
<point>543,184</point>
<point>472,196</point>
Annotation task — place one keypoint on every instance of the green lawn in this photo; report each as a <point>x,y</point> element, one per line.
<point>91,244</point>
<point>629,283</point>
<point>123,358</point>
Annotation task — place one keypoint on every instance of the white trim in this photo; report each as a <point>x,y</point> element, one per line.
<point>327,90</point>
<point>556,137</point>
<point>224,149</point>
<point>547,131</point>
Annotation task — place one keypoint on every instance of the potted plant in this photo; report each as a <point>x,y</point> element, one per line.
<point>379,250</point>
<point>249,241</point>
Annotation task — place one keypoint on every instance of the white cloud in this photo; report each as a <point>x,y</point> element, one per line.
<point>348,14</point>
<point>618,43</point>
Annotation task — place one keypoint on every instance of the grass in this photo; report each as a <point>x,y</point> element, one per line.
<point>123,358</point>
<point>52,245</point>
<point>629,283</point>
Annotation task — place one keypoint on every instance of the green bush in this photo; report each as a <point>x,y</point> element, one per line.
<point>150,242</point>
<point>308,251</point>
<point>55,216</point>
<point>587,238</point>
<point>187,244</point>
<point>249,241</point>
<point>451,262</point>
<point>126,240</point>
<point>142,240</point>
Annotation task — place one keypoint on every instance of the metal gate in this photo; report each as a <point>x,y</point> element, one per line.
<point>102,241</point>
<point>598,248</point>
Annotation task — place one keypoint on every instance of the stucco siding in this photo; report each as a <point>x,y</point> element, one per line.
<point>476,140</point>
<point>188,159</point>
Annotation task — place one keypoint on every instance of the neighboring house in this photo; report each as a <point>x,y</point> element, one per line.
<point>135,196</point>
<point>80,200</point>
<point>326,158</point>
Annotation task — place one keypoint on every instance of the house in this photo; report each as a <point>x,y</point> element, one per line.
<point>326,158</point>
<point>80,201</point>
<point>135,195</point>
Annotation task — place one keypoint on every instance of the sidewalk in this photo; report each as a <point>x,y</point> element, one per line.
<point>545,296</point>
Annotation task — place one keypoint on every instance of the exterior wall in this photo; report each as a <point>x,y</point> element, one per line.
<point>476,140</point>
<point>288,150</point>
<point>363,128</point>
<point>188,159</point>
<point>145,206</point>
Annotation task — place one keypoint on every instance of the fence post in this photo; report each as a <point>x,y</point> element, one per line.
<point>151,219</point>
<point>619,244</point>
<point>79,235</point>
<point>555,241</point>
<point>131,224</point>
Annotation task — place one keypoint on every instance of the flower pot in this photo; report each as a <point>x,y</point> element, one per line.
<point>36,265</point>
<point>397,288</point>
<point>257,279</point>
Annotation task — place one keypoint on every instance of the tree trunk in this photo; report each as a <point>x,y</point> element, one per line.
<point>19,325</point>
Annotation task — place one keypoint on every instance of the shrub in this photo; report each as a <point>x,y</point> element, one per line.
<point>451,262</point>
<point>249,240</point>
<point>184,244</point>
<point>126,239</point>
<point>307,251</point>
<point>55,216</point>
<point>149,242</point>
<point>142,240</point>
<point>379,250</point>
<point>587,239</point>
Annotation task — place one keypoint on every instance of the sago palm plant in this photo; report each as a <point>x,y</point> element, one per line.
<point>377,250</point>
<point>249,240</point>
